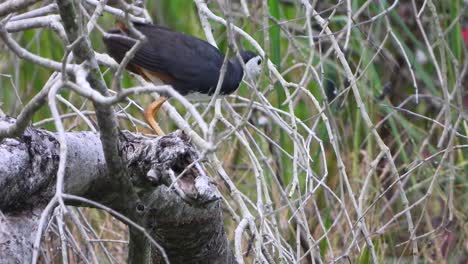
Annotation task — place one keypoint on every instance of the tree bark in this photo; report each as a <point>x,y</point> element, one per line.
<point>185,220</point>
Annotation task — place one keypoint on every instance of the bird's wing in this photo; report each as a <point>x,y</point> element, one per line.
<point>186,58</point>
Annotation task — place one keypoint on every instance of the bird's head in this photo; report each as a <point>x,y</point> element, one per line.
<point>253,63</point>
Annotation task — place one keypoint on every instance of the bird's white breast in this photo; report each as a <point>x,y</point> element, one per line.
<point>199,97</point>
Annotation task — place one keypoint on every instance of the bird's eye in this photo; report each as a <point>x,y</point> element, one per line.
<point>259,61</point>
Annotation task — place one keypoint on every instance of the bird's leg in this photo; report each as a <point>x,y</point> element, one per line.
<point>150,113</point>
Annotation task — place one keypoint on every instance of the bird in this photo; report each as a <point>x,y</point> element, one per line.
<point>190,65</point>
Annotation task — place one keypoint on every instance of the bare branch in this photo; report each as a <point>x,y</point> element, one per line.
<point>12,6</point>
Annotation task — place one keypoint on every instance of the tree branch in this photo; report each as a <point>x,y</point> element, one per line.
<point>11,6</point>
<point>107,120</point>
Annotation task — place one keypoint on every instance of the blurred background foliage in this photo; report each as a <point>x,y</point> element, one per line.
<point>388,93</point>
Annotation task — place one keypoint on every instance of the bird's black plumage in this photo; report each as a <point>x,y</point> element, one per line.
<point>189,64</point>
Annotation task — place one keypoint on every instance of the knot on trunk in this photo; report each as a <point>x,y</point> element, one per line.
<point>171,160</point>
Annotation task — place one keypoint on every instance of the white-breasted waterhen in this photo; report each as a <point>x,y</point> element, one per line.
<point>190,65</point>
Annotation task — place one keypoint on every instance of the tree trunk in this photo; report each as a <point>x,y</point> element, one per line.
<point>186,220</point>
